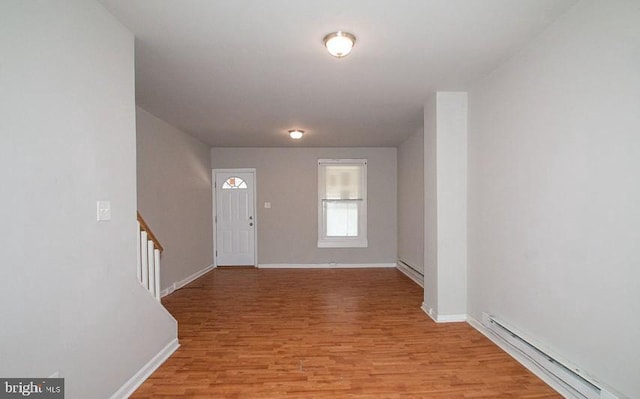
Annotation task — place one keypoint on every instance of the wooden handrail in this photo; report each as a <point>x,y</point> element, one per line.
<point>145,227</point>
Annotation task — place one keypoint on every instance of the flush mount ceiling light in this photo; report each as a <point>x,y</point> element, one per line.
<point>339,43</point>
<point>296,134</point>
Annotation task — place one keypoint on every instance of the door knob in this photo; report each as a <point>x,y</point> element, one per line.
<point>250,224</point>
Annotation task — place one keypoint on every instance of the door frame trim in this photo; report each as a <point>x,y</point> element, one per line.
<point>255,209</point>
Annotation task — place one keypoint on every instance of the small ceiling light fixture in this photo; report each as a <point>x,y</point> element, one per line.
<point>296,134</point>
<point>339,43</point>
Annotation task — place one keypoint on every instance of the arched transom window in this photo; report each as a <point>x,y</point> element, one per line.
<point>234,183</point>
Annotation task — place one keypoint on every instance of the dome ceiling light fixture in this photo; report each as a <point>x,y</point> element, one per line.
<point>339,44</point>
<point>296,134</point>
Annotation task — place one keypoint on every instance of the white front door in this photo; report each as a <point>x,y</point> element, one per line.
<point>235,218</point>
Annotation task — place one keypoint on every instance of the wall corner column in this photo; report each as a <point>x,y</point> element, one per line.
<point>445,163</point>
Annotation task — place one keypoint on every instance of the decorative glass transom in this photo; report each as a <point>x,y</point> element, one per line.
<point>234,183</point>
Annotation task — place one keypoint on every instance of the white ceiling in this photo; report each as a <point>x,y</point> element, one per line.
<point>242,72</point>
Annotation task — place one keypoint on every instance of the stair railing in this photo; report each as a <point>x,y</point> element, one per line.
<point>148,260</point>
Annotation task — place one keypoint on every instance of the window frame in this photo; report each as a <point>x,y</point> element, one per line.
<point>235,186</point>
<point>359,241</point>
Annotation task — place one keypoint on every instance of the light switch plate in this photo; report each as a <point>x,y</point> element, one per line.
<point>267,205</point>
<point>104,211</point>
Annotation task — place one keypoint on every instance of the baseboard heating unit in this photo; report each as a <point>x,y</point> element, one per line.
<point>568,379</point>
<point>410,272</point>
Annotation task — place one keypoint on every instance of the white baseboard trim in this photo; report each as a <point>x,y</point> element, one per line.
<point>179,284</point>
<point>520,358</point>
<point>323,265</point>
<point>412,274</point>
<point>141,376</point>
<point>451,318</point>
<point>443,318</point>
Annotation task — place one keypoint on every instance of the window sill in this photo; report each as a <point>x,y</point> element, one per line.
<point>343,243</point>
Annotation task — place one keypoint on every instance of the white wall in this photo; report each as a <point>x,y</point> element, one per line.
<point>411,201</point>
<point>554,188</point>
<point>430,207</point>
<point>174,196</point>
<point>288,178</point>
<point>70,302</point>
<point>446,199</point>
<point>451,149</point>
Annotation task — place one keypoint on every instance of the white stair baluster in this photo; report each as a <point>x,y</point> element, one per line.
<point>143,259</point>
<point>150,262</point>
<point>138,260</point>
<point>156,264</point>
<point>148,258</point>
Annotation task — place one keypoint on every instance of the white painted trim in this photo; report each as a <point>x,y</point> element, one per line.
<point>520,358</point>
<point>324,265</point>
<point>412,274</point>
<point>443,318</point>
<point>138,378</point>
<point>179,284</point>
<point>451,318</point>
<point>213,217</point>
<point>255,209</point>
<point>429,312</point>
<point>343,243</point>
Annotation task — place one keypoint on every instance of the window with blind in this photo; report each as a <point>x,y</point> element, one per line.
<point>342,203</point>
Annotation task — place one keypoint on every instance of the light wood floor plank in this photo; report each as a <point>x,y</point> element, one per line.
<point>326,333</point>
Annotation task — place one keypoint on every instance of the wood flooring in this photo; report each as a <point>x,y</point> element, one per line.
<point>326,333</point>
